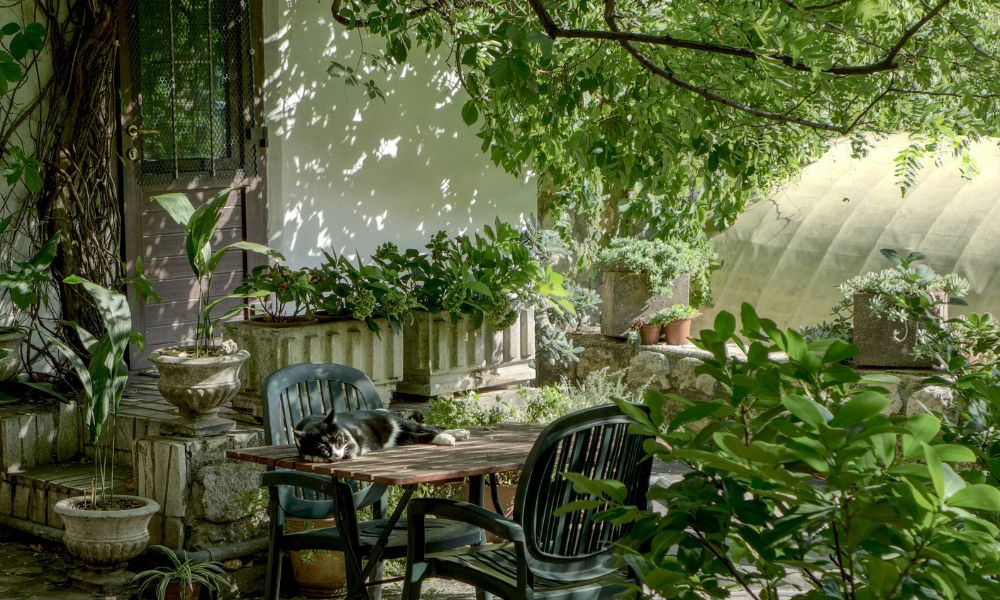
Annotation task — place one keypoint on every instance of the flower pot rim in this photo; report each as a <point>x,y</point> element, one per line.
<point>296,321</point>
<point>158,356</point>
<point>66,507</point>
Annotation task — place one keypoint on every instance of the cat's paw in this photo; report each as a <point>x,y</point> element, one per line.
<point>459,434</point>
<point>443,439</point>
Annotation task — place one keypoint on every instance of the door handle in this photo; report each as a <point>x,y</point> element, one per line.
<point>134,131</point>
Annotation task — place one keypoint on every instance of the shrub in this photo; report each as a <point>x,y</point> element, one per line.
<point>796,471</point>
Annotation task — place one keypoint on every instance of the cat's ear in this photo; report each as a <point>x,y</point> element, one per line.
<point>330,418</point>
<point>298,434</point>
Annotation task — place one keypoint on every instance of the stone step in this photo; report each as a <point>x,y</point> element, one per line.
<point>30,495</point>
<point>39,433</point>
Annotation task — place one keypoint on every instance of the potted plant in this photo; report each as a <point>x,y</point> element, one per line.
<point>889,306</point>
<point>360,309</point>
<point>479,295</point>
<point>103,528</point>
<point>282,294</point>
<point>649,333</point>
<point>643,276</point>
<point>22,283</point>
<point>200,378</point>
<point>182,579</point>
<point>676,322</point>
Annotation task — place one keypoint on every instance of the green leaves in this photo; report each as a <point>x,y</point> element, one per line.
<point>861,406</point>
<point>976,497</point>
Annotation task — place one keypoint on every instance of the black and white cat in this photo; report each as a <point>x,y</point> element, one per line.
<point>346,435</point>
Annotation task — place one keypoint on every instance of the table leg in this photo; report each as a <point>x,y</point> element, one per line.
<point>376,552</point>
<point>477,496</point>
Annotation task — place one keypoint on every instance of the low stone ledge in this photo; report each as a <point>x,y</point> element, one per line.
<point>671,369</point>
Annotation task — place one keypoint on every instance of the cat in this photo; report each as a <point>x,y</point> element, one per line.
<point>346,435</point>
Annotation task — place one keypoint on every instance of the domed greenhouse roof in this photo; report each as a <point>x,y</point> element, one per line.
<point>788,254</point>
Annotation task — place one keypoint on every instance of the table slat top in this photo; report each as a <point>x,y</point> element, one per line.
<point>491,449</point>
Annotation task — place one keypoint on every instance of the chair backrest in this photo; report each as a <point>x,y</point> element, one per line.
<point>307,389</point>
<point>593,442</point>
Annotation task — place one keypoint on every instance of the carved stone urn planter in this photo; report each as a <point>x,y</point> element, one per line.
<point>104,538</point>
<point>10,362</point>
<point>198,387</point>
<point>626,299</point>
<point>441,357</point>
<point>886,343</point>
<point>340,341</point>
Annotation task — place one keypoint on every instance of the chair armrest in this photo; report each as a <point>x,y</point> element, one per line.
<point>311,481</point>
<point>459,510</point>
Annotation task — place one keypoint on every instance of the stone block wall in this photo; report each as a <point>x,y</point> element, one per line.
<point>671,369</point>
<point>39,435</point>
<point>206,499</point>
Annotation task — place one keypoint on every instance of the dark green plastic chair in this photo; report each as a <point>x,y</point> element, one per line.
<point>301,390</point>
<point>565,557</point>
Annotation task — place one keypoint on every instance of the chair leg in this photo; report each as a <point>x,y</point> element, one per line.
<point>413,580</point>
<point>273,584</point>
<point>375,591</point>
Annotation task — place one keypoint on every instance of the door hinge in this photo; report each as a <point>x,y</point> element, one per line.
<point>259,134</point>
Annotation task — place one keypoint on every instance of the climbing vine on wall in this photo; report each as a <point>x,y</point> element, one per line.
<point>58,124</point>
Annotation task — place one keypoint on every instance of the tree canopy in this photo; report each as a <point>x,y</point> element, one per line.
<point>685,110</point>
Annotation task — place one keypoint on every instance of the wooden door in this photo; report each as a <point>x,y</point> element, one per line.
<point>190,115</point>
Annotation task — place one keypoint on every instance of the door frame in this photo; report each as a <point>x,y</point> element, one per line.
<point>130,205</point>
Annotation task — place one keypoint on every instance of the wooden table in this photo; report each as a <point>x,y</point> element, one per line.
<point>490,449</point>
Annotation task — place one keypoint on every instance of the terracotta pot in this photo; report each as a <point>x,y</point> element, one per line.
<point>677,332</point>
<point>507,492</point>
<point>265,321</point>
<point>191,593</point>
<point>10,361</point>
<point>104,538</point>
<point>318,573</point>
<point>649,334</point>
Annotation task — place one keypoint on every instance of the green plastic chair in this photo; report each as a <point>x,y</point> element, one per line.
<point>301,390</point>
<point>547,556</point>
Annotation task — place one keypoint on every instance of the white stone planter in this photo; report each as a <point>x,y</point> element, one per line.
<point>444,358</point>
<point>198,387</point>
<point>626,299</point>
<point>10,362</point>
<point>104,538</point>
<point>345,342</point>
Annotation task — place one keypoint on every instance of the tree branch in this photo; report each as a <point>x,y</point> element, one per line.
<point>654,68</point>
<point>886,64</point>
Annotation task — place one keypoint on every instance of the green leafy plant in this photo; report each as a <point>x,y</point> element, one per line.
<point>25,279</point>
<point>906,289</point>
<point>487,277</point>
<point>382,288</point>
<point>673,313</point>
<point>103,373</point>
<point>282,294</point>
<point>184,573</point>
<point>548,403</point>
<point>800,481</point>
<point>660,262</point>
<point>199,227</point>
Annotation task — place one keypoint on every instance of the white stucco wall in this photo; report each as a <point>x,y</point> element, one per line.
<point>349,173</point>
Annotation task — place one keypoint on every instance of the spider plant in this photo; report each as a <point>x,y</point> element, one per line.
<point>210,574</point>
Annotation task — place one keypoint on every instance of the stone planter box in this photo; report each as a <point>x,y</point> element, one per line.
<point>626,299</point>
<point>885,343</point>
<point>444,358</point>
<point>346,342</point>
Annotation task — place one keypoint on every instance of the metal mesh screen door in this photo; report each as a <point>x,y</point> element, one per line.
<point>189,124</point>
<point>191,63</point>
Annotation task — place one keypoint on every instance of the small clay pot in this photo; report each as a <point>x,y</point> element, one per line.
<point>677,332</point>
<point>174,591</point>
<point>649,334</point>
